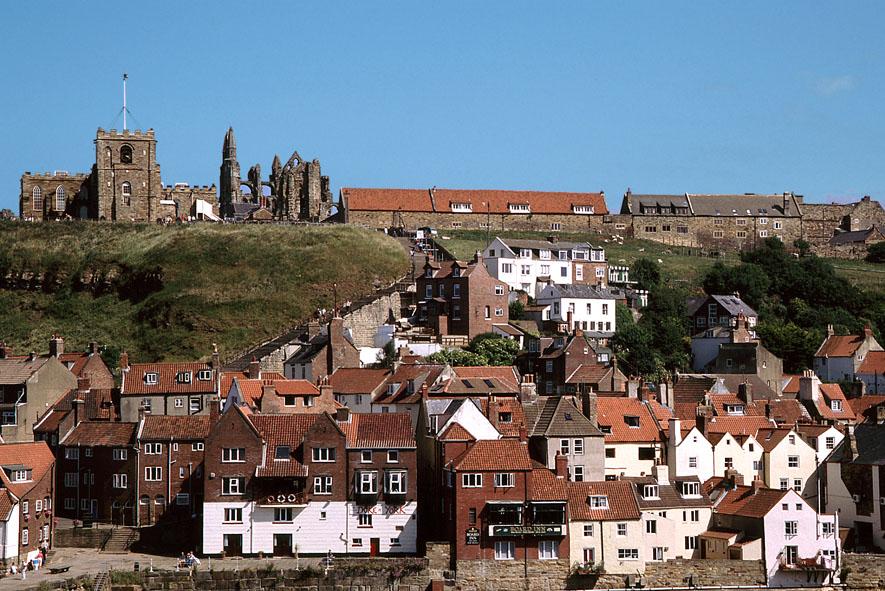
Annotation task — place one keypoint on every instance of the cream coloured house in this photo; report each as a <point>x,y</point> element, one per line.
<point>789,462</point>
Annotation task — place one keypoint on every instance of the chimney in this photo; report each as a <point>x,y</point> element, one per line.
<point>326,393</point>
<point>852,443</point>
<point>588,406</point>
<point>82,386</point>
<point>78,405</point>
<point>733,477</point>
<point>56,346</point>
<point>523,433</point>
<point>569,318</point>
<point>662,473</point>
<point>336,352</point>
<point>254,371</point>
<point>5,350</point>
<point>553,238</point>
<point>93,348</point>
<point>32,355</point>
<point>216,358</point>
<point>633,388</point>
<point>675,431</point>
<point>809,386</point>
<point>313,330</point>
<point>528,390</point>
<point>830,331</point>
<point>561,463</point>
<point>342,414</point>
<point>745,392</point>
<point>756,486</point>
<point>214,410</point>
<point>124,361</point>
<point>867,331</point>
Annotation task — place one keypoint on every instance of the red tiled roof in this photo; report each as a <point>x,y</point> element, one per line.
<point>379,430</point>
<point>498,202</point>
<point>742,502</point>
<point>546,486</point>
<point>611,412</point>
<point>824,407</point>
<point>840,346</point>
<point>622,503</point>
<point>873,364</point>
<point>227,378</point>
<point>34,455</point>
<point>792,385</point>
<point>738,425</point>
<point>278,430</point>
<point>6,504</point>
<point>720,400</point>
<point>786,411</point>
<point>504,404</point>
<point>101,434</point>
<point>134,380</point>
<point>77,359</point>
<point>494,455</point>
<point>181,428</point>
<point>357,380</point>
<point>295,388</point>
<point>506,374</point>
<point>455,432</point>
<point>861,406</point>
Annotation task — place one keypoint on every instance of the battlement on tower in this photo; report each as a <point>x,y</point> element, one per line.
<point>56,175</point>
<point>103,134</point>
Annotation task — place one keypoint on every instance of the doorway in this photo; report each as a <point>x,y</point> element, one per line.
<point>233,544</point>
<point>282,544</point>
<point>374,546</point>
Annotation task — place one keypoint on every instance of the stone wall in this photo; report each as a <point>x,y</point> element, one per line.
<point>864,571</point>
<point>511,575</point>
<point>538,222</point>
<point>80,537</point>
<point>364,321</point>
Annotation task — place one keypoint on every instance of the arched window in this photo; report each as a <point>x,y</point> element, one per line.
<point>160,500</point>
<point>126,190</point>
<point>37,198</point>
<point>126,154</point>
<point>60,200</point>
<point>144,500</point>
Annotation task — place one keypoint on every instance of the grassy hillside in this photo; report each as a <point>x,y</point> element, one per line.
<point>677,263</point>
<point>166,293</point>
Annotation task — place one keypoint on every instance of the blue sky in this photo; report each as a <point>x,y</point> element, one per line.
<point>656,96</point>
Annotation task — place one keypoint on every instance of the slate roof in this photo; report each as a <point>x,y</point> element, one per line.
<point>856,236</point>
<point>101,434</point>
<point>134,383</point>
<point>747,205</point>
<point>419,373</point>
<point>556,416</point>
<point>734,305</point>
<point>622,503</point>
<point>179,428</point>
<point>668,494</point>
<point>611,412</point>
<point>870,439</point>
<point>18,370</point>
<point>741,501</point>
<point>360,199</point>
<point>873,363</point>
<point>34,455</point>
<point>515,245</point>
<point>490,455</point>
<point>506,374</point>
<point>379,431</point>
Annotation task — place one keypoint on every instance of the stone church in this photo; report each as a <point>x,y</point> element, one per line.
<point>125,185</point>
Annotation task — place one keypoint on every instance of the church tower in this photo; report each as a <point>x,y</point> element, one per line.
<point>229,184</point>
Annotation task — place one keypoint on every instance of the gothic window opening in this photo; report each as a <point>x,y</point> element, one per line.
<point>37,198</point>
<point>60,198</point>
<point>126,190</point>
<point>126,154</point>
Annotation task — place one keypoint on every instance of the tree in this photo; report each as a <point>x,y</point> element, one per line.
<point>456,357</point>
<point>496,351</point>
<point>386,356</point>
<point>517,310</point>
<point>803,246</point>
<point>876,253</point>
<point>646,273</point>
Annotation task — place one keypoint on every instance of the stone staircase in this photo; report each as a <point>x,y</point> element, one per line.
<point>102,581</point>
<point>119,540</point>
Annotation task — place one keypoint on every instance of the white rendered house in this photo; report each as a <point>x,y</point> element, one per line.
<point>587,307</point>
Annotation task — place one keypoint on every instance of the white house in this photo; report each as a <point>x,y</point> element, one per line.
<point>800,547</point>
<point>690,454</point>
<point>586,307</point>
<point>840,356</point>
<point>633,436</point>
<point>520,263</point>
<point>789,462</point>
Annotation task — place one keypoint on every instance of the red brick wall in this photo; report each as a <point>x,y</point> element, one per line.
<point>42,491</point>
<point>172,462</point>
<point>99,486</point>
<point>231,430</point>
<point>325,433</point>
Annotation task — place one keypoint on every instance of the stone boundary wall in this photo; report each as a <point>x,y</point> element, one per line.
<point>364,321</point>
<point>511,575</point>
<point>864,571</point>
<point>80,537</point>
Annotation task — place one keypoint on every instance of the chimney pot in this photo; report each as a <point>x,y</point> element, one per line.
<point>342,414</point>
<point>561,463</point>
<point>56,346</point>
<point>254,371</point>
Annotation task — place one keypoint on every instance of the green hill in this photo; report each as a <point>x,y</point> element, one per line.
<point>165,293</point>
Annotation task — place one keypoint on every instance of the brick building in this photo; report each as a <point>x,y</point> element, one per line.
<point>27,488</point>
<point>458,298</point>
<point>471,209</point>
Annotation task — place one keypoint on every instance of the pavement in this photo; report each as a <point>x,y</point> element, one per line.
<point>89,561</point>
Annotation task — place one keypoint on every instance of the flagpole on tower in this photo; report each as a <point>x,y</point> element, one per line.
<point>125,77</point>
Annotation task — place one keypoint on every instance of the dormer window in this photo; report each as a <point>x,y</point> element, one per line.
<point>520,208</point>
<point>183,377</point>
<point>456,271</point>
<point>603,357</point>
<point>150,378</point>
<point>734,409</point>
<point>204,375</point>
<point>20,475</point>
<point>392,388</point>
<point>283,452</point>
<point>579,255</point>
<point>598,501</point>
<point>563,255</point>
<point>505,417</point>
<point>632,421</point>
<point>650,491</point>
<point>544,254</point>
<point>582,209</point>
<point>428,272</point>
<point>836,405</point>
<point>606,429</point>
<point>461,207</point>
<point>691,489</point>
<point>525,253</point>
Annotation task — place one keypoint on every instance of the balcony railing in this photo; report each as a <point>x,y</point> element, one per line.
<point>283,499</point>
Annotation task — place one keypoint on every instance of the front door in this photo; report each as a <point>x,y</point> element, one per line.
<point>282,544</point>
<point>233,544</point>
<point>374,546</point>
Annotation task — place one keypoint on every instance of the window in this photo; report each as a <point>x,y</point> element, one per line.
<point>366,456</point>
<point>462,207</point>
<point>233,486</point>
<point>72,453</point>
<point>578,447</point>
<point>830,442</point>
<point>70,503</point>
<point>323,454</point>
<point>519,208</point>
<point>282,514</point>
<point>233,515</point>
<point>126,191</point>
<point>456,291</point>
<point>628,554</point>
<point>827,528</point>
<point>126,154</point>
<point>25,536</point>
<point>204,375</point>
<point>197,446</point>
<point>651,229</point>
<point>622,529</point>
<point>548,550</point>
<point>367,482</point>
<point>364,520</point>
<point>471,516</point>
<point>395,482</point>
<point>121,480</point>
<point>578,475</point>
<point>488,313</point>
<point>757,465</point>
<point>322,485</point>
<point>181,472</point>
<point>717,233</point>
<point>741,233</point>
<point>499,290</point>
<point>598,502</point>
<point>505,550</point>
<point>588,530</point>
<point>793,461</point>
<point>691,542</point>
<point>499,311</point>
<point>791,528</point>
<point>38,505</point>
<point>692,462</point>
<point>545,269</point>
<point>183,377</point>
<point>563,271</point>
<point>471,480</point>
<point>507,267</point>
<point>456,312</point>
<point>741,222</point>
<point>505,480</point>
<point>150,378</point>
<point>149,449</point>
<point>651,526</point>
<point>691,489</point>
<point>631,421</point>
<point>37,198</point>
<point>179,403</point>
<point>778,225</point>
<point>646,453</point>
<point>791,554</point>
<point>357,543</point>
<point>60,198</point>
<point>797,485</point>
<point>153,473</point>
<point>282,452</point>
<point>230,455</point>
<point>70,479</point>
<point>763,233</point>
<point>195,405</point>
<point>609,451</point>
<point>650,491</point>
<point>428,290</point>
<point>579,272</point>
<point>784,483</point>
<point>836,405</point>
<point>564,445</point>
<point>729,463</point>
<point>693,515</point>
